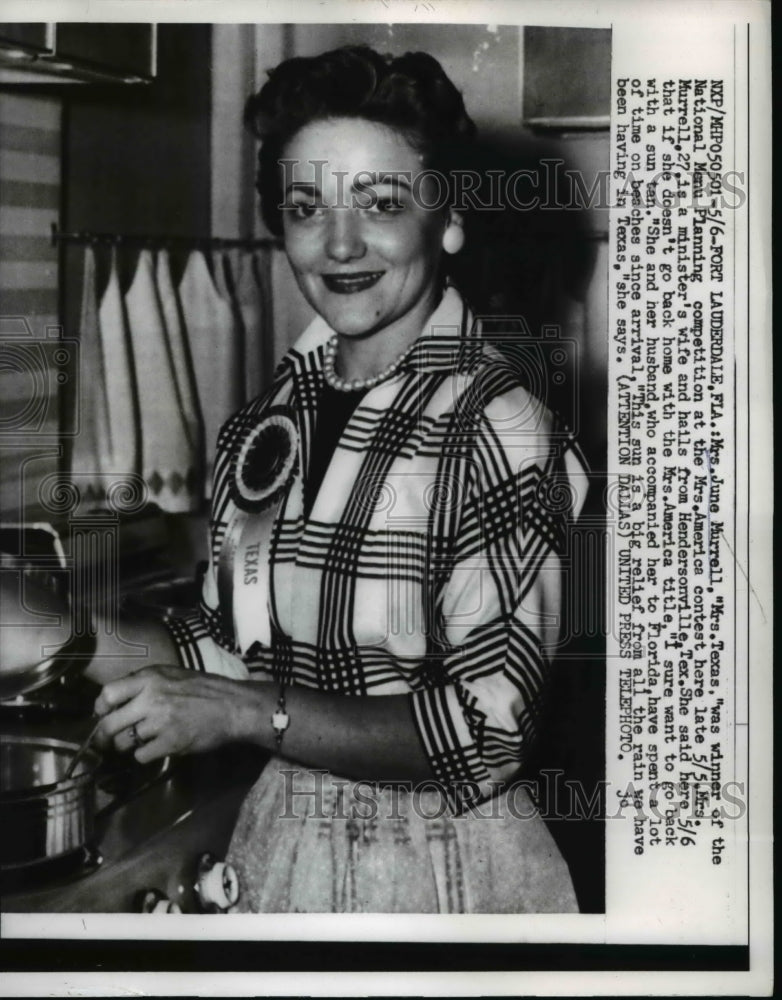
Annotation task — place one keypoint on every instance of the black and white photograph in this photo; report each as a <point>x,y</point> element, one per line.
<point>385,550</point>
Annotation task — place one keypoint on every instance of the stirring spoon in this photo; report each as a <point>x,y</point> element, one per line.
<point>80,752</point>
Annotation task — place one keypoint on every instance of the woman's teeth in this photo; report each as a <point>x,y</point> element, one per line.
<point>347,284</point>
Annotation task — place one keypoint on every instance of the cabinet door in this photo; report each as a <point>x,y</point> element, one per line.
<point>33,37</point>
<point>567,76</point>
<point>118,48</point>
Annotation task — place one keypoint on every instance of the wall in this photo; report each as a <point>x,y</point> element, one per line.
<point>30,138</point>
<point>483,60</point>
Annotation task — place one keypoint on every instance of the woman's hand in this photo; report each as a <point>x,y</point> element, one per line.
<point>164,709</point>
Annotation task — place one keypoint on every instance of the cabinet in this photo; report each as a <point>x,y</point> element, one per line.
<point>75,52</point>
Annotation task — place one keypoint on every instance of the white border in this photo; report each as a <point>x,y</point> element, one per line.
<point>531,928</point>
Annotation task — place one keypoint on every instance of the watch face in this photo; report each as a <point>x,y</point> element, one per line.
<point>265,462</point>
<point>280,720</point>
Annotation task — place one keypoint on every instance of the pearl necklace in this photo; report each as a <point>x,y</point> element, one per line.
<point>346,385</point>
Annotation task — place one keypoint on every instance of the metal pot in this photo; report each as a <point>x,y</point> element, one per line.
<point>43,816</point>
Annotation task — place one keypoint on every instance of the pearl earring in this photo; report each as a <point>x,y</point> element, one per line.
<point>453,238</point>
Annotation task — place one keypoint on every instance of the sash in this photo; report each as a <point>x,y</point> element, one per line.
<point>244,577</point>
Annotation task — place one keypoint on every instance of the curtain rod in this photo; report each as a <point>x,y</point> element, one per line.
<point>151,240</point>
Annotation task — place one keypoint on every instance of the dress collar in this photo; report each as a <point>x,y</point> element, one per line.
<point>450,321</point>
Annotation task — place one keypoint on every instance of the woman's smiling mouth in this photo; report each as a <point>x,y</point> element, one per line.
<point>355,281</point>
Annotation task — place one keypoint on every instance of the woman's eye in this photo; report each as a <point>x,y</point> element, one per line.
<point>304,210</point>
<point>387,206</point>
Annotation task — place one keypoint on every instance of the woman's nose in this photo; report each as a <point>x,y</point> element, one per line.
<point>344,238</point>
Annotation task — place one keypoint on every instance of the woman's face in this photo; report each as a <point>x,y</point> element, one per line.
<point>364,248</point>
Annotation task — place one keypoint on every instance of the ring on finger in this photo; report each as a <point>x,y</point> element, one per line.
<point>135,739</point>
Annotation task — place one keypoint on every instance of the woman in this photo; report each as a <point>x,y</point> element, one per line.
<point>385,571</point>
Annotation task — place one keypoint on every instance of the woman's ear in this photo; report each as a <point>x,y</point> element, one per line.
<point>453,235</point>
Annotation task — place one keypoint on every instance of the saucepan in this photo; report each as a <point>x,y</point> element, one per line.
<point>46,813</point>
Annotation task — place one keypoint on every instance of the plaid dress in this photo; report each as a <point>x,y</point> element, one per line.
<point>429,563</point>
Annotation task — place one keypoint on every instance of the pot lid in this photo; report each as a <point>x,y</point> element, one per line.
<point>36,644</point>
<point>72,657</point>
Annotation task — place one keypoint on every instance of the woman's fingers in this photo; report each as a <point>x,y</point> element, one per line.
<point>153,750</point>
<point>123,734</point>
<point>127,740</point>
<point>118,705</point>
<point>118,692</point>
<point>165,709</point>
<point>113,723</point>
<point>131,727</point>
<point>127,709</point>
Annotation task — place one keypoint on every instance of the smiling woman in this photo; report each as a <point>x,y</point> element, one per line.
<point>387,533</point>
<point>368,264</point>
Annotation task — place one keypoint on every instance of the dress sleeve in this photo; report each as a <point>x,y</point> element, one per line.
<point>199,639</point>
<point>497,594</point>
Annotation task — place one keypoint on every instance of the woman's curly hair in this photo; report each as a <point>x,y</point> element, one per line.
<point>410,93</point>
